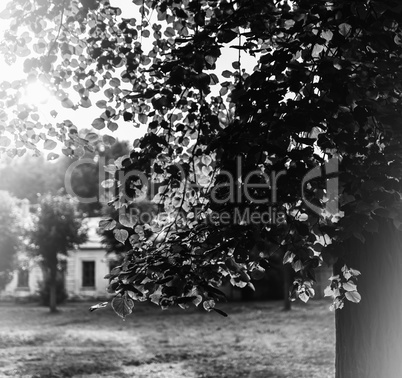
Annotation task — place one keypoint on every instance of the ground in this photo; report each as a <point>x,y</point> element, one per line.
<point>256,340</point>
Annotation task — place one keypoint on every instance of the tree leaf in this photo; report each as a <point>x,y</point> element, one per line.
<point>91,137</point>
<point>304,297</point>
<point>112,126</point>
<point>210,59</point>
<point>52,156</point>
<point>107,224</point>
<point>98,123</point>
<point>98,306</point>
<point>353,296</point>
<point>257,274</point>
<point>344,29</point>
<point>120,235</point>
<point>122,305</point>
<point>213,79</point>
<point>85,102</point>
<point>4,141</point>
<point>67,103</point>
<point>349,286</point>
<point>49,144</point>
<point>227,74</point>
<point>226,36</point>
<point>101,104</point>
<point>108,140</point>
<point>126,220</point>
<point>327,35</point>
<point>316,50</point>
<point>328,292</point>
<point>209,305</point>
<point>115,82</point>
<point>143,118</point>
<point>197,300</point>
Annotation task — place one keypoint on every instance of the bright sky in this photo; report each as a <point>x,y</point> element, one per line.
<point>83,117</point>
<point>38,95</point>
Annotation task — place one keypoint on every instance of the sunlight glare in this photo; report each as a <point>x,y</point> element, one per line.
<point>35,94</point>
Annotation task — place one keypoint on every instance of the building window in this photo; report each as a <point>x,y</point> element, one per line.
<point>23,278</point>
<point>88,274</point>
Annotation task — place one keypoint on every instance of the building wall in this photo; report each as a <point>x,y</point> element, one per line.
<point>12,289</point>
<point>73,277</point>
<point>74,274</point>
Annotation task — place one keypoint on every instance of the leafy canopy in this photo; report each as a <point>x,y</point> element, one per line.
<point>326,84</point>
<point>57,228</point>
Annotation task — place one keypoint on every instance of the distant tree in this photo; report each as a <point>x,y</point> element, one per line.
<point>31,176</point>
<point>57,229</point>
<point>10,236</point>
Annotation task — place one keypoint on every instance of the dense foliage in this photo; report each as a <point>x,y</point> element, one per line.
<point>144,210</point>
<point>323,85</point>
<point>11,233</point>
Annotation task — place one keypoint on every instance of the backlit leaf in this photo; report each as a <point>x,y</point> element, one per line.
<point>209,305</point>
<point>349,286</point>
<point>108,140</point>
<point>52,156</point>
<point>107,224</point>
<point>67,103</point>
<point>92,137</point>
<point>98,123</point>
<point>49,144</point>
<point>120,235</point>
<point>353,296</point>
<point>86,103</point>
<point>112,126</point>
<point>101,104</point>
<point>127,220</point>
<point>4,141</point>
<point>123,305</point>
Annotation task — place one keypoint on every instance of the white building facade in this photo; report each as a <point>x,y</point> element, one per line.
<point>86,267</point>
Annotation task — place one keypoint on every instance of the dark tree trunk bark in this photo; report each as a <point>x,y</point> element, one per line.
<point>369,334</point>
<point>287,284</point>
<point>52,289</point>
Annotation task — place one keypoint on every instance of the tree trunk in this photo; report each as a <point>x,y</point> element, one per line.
<point>287,284</point>
<point>369,334</point>
<point>52,289</point>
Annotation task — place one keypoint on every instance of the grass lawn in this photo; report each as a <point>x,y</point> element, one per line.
<point>257,340</point>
